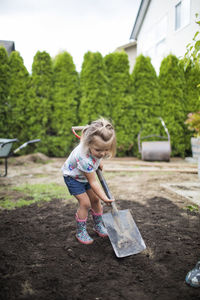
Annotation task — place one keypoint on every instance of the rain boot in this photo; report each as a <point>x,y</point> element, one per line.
<point>81,233</point>
<point>98,224</point>
<point>193,277</point>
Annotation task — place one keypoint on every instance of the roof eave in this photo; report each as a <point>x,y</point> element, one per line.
<point>126,46</point>
<point>139,19</point>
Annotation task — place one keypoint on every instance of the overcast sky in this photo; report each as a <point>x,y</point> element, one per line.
<point>76,26</point>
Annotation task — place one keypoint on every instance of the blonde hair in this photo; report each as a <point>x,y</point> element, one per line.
<point>102,128</point>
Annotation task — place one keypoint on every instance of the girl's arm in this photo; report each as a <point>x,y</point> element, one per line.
<point>91,177</point>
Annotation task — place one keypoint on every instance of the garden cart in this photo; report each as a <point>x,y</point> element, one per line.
<point>5,150</point>
<point>155,150</point>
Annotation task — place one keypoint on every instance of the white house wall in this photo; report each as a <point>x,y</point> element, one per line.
<point>158,38</point>
<point>131,52</point>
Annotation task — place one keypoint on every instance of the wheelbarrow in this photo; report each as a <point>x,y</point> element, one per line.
<point>155,150</point>
<point>5,150</point>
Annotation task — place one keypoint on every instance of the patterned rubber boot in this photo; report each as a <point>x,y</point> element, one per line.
<point>81,233</point>
<point>98,224</point>
<point>193,277</point>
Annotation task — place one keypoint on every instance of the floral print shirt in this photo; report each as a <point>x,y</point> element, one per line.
<point>78,162</point>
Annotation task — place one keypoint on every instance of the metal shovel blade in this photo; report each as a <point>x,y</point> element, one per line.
<point>123,233</point>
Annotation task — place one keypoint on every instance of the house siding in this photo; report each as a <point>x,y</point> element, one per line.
<point>161,16</point>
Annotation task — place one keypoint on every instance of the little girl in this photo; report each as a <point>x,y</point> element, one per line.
<point>97,141</point>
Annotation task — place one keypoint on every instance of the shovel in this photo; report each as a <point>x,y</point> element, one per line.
<point>123,232</point>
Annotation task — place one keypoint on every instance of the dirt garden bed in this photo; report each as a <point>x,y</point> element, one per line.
<point>41,259</point>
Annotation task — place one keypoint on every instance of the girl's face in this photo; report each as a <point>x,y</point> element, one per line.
<point>99,148</point>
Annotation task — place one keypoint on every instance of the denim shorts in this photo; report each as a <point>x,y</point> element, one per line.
<point>76,187</point>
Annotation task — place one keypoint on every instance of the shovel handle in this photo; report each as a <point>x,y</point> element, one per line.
<point>105,188</point>
<point>103,183</point>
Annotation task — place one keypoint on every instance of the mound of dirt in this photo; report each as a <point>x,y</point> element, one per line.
<point>34,158</point>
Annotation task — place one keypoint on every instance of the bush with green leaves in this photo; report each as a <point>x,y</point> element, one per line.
<point>191,64</point>
<point>172,87</point>
<point>94,100</point>
<point>117,71</point>
<point>19,83</point>
<point>146,102</point>
<point>65,104</point>
<point>4,74</point>
<point>39,110</point>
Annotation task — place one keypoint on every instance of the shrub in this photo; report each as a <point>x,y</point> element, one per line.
<point>117,71</point>
<point>4,73</point>
<point>94,89</point>
<point>172,83</point>
<point>65,103</point>
<point>19,83</point>
<point>146,104</point>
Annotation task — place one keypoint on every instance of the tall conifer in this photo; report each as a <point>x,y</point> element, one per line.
<point>19,83</point>
<point>4,74</point>
<point>94,89</point>
<point>117,70</point>
<point>172,85</point>
<point>145,90</point>
<point>40,101</point>
<point>65,103</point>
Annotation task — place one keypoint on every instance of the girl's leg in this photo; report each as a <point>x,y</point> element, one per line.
<point>84,205</point>
<point>81,219</point>
<point>95,202</point>
<point>97,211</point>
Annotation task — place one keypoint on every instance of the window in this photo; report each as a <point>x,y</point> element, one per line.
<point>182,14</point>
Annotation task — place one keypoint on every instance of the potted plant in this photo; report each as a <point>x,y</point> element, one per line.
<point>193,123</point>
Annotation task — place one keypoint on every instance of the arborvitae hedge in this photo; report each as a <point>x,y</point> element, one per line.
<point>146,104</point>
<point>65,103</point>
<point>117,71</point>
<point>192,77</point>
<point>40,101</point>
<point>94,89</point>
<point>172,85</point>
<point>19,83</point>
<point>4,74</point>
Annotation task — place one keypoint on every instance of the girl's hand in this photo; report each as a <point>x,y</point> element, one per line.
<point>109,201</point>
<point>101,166</point>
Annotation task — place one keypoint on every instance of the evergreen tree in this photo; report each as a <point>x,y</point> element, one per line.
<point>172,85</point>
<point>192,78</point>
<point>145,89</point>
<point>94,89</point>
<point>117,70</point>
<point>19,82</point>
<point>4,73</point>
<point>40,102</point>
<point>65,103</point>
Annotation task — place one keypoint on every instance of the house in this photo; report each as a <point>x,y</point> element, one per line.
<point>163,27</point>
<point>131,50</point>
<point>9,45</point>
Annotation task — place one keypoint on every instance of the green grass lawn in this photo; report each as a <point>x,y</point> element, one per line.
<point>32,193</point>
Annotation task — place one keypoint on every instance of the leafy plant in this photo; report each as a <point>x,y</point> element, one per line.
<point>193,49</point>
<point>193,123</point>
<point>192,208</point>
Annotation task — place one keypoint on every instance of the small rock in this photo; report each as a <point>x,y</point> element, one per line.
<point>71,253</point>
